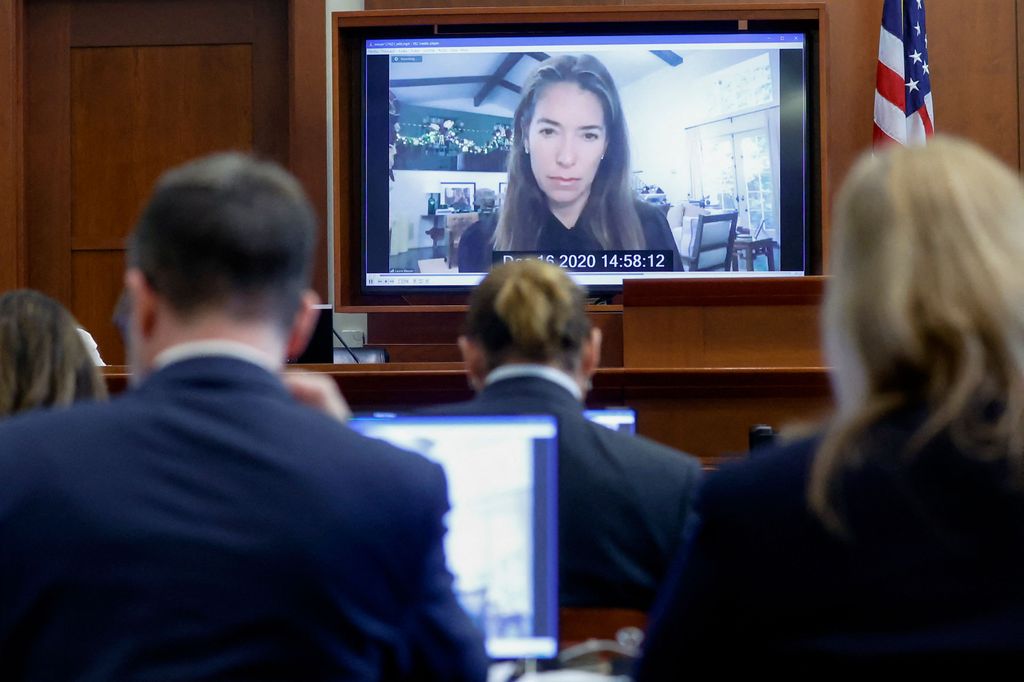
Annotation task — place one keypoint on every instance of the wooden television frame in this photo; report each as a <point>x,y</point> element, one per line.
<point>349,28</point>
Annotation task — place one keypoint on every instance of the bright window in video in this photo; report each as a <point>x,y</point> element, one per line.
<point>611,156</point>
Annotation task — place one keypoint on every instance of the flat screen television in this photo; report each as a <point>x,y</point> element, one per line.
<point>713,171</point>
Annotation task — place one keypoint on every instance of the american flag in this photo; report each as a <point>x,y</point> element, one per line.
<point>903,90</point>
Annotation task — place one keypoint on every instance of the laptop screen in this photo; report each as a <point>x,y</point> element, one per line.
<point>502,543</point>
<point>615,418</point>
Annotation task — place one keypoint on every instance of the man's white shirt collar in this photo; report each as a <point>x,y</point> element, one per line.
<point>551,374</point>
<point>216,348</point>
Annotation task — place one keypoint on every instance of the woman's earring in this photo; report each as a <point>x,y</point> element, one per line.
<point>526,149</point>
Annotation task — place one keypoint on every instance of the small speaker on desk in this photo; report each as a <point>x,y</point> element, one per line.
<point>760,436</point>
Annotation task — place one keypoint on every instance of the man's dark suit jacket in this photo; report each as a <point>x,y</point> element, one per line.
<point>623,500</point>
<point>929,575</point>
<point>206,526</point>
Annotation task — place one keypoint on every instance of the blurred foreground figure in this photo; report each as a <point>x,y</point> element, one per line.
<point>896,535</point>
<point>205,525</point>
<point>43,360</point>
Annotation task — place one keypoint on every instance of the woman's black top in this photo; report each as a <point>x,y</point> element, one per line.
<point>554,237</point>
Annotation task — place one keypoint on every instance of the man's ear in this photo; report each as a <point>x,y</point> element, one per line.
<point>475,360</point>
<point>590,357</point>
<point>142,302</point>
<point>302,324</point>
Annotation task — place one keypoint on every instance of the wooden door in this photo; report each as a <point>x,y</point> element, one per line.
<point>116,92</point>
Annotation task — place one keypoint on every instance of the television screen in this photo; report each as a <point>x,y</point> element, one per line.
<point>502,541</point>
<point>613,156</point>
<point>614,418</point>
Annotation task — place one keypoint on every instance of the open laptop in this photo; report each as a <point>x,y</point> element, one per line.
<point>502,541</point>
<point>615,418</point>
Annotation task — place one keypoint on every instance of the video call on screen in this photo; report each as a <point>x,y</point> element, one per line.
<point>716,126</point>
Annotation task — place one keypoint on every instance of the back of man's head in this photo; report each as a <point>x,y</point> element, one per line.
<point>227,234</point>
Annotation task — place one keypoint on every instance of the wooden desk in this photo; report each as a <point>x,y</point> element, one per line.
<point>706,412</point>
<point>751,249</point>
<point>722,322</point>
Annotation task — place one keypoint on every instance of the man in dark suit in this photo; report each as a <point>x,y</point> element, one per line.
<point>622,499</point>
<point>205,525</point>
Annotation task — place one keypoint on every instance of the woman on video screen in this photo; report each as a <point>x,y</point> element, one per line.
<point>568,178</point>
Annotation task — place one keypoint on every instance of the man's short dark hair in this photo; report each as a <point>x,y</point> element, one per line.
<point>228,233</point>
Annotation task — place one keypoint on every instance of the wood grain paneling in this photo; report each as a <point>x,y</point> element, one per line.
<point>48,148</point>
<point>110,23</point>
<point>741,322</point>
<point>1019,9</point>
<point>270,61</point>
<point>96,281</point>
<point>972,47</point>
<point>714,427</point>
<point>430,335</point>
<point>308,117</point>
<point>732,291</point>
<point>12,236</point>
<point>137,111</point>
<point>705,412</point>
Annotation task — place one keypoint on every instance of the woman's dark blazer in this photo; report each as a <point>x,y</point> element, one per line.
<point>929,573</point>
<point>623,500</point>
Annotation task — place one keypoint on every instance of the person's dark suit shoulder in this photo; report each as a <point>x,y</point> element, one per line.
<point>924,571</point>
<point>623,499</point>
<point>221,505</point>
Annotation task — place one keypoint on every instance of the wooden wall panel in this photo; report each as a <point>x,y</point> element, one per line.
<point>972,47</point>
<point>137,111</point>
<point>1019,8</point>
<point>103,23</point>
<point>270,80</point>
<point>96,281</point>
<point>48,148</point>
<point>425,335</point>
<point>12,255</point>
<point>117,91</point>
<point>308,117</point>
<point>715,427</point>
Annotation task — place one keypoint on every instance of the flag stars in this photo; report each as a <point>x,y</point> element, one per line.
<point>917,29</point>
<point>919,4</point>
<point>916,56</point>
<point>927,71</point>
<point>912,85</point>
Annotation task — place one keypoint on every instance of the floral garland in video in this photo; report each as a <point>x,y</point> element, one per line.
<point>448,136</point>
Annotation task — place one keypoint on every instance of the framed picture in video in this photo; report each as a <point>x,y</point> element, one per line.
<point>458,196</point>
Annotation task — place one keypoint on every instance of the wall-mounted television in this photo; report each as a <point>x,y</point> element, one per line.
<point>616,149</point>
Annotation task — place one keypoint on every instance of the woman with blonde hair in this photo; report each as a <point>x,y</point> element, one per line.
<point>899,532</point>
<point>43,360</point>
<point>529,348</point>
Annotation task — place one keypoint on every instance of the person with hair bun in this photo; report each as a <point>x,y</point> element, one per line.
<point>896,535</point>
<point>529,348</point>
<point>43,359</point>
